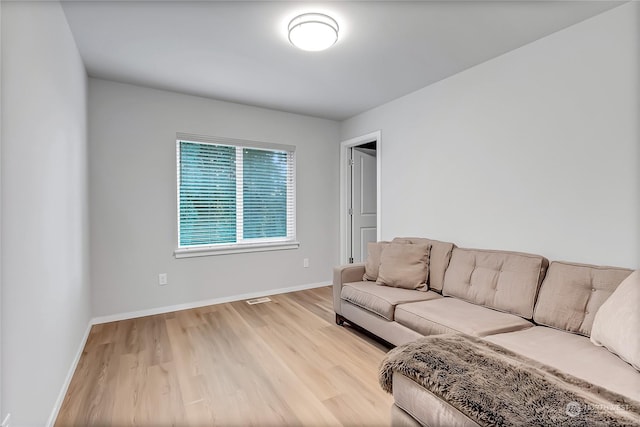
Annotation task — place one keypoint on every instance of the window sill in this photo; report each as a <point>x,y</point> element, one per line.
<point>234,249</point>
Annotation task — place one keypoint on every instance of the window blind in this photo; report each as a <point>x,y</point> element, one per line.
<point>234,194</point>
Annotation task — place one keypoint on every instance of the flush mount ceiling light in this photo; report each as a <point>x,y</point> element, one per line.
<point>313,31</point>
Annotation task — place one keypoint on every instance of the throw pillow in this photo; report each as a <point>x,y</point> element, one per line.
<point>617,322</point>
<point>404,265</point>
<point>374,250</point>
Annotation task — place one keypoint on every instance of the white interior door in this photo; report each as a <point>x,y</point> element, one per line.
<point>363,202</point>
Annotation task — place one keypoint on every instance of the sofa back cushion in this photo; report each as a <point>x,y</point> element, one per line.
<point>617,323</point>
<point>505,281</point>
<point>438,259</point>
<point>372,265</point>
<point>571,294</point>
<point>404,265</point>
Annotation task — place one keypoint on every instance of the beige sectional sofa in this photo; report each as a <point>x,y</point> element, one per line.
<point>522,302</point>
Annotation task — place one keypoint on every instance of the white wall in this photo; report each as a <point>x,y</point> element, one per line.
<point>536,150</point>
<point>45,280</point>
<point>133,199</point>
<point>1,411</point>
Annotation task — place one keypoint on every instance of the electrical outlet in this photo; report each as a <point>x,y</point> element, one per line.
<point>305,263</point>
<point>162,279</point>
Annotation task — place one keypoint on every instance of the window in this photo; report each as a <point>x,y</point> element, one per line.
<point>234,196</point>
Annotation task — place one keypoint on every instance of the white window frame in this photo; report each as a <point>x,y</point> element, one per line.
<point>242,246</point>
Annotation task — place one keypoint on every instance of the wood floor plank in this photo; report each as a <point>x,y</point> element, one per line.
<point>132,376</point>
<point>162,400</point>
<point>279,363</point>
<point>92,389</point>
<point>198,411</point>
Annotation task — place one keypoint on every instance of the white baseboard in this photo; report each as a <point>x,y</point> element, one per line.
<point>203,303</point>
<point>67,380</point>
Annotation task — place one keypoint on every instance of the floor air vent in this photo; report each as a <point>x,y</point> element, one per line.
<point>258,300</point>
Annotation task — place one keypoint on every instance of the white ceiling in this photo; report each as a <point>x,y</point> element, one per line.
<point>238,51</point>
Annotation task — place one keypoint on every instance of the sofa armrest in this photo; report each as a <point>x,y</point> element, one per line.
<point>346,273</point>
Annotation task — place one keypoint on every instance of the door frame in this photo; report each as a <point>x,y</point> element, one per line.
<point>344,193</point>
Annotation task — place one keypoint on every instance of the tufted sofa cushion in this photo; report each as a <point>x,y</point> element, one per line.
<point>438,259</point>
<point>571,294</point>
<point>505,281</point>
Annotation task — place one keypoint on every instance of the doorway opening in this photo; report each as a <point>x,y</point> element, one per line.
<point>360,196</point>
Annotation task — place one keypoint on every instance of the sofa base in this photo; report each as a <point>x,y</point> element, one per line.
<point>399,418</point>
<point>341,320</point>
<point>389,331</point>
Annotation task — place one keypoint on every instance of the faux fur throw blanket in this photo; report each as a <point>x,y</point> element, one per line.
<point>496,387</point>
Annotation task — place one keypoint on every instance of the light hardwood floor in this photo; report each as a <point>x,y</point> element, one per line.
<point>280,363</point>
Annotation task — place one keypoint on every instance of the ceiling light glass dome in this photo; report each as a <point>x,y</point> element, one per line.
<point>313,31</point>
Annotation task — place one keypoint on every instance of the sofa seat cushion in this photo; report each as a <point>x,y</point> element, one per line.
<point>382,300</point>
<point>447,315</point>
<point>575,355</point>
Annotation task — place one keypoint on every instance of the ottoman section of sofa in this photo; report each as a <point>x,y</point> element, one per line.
<point>575,355</point>
<point>425,407</point>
